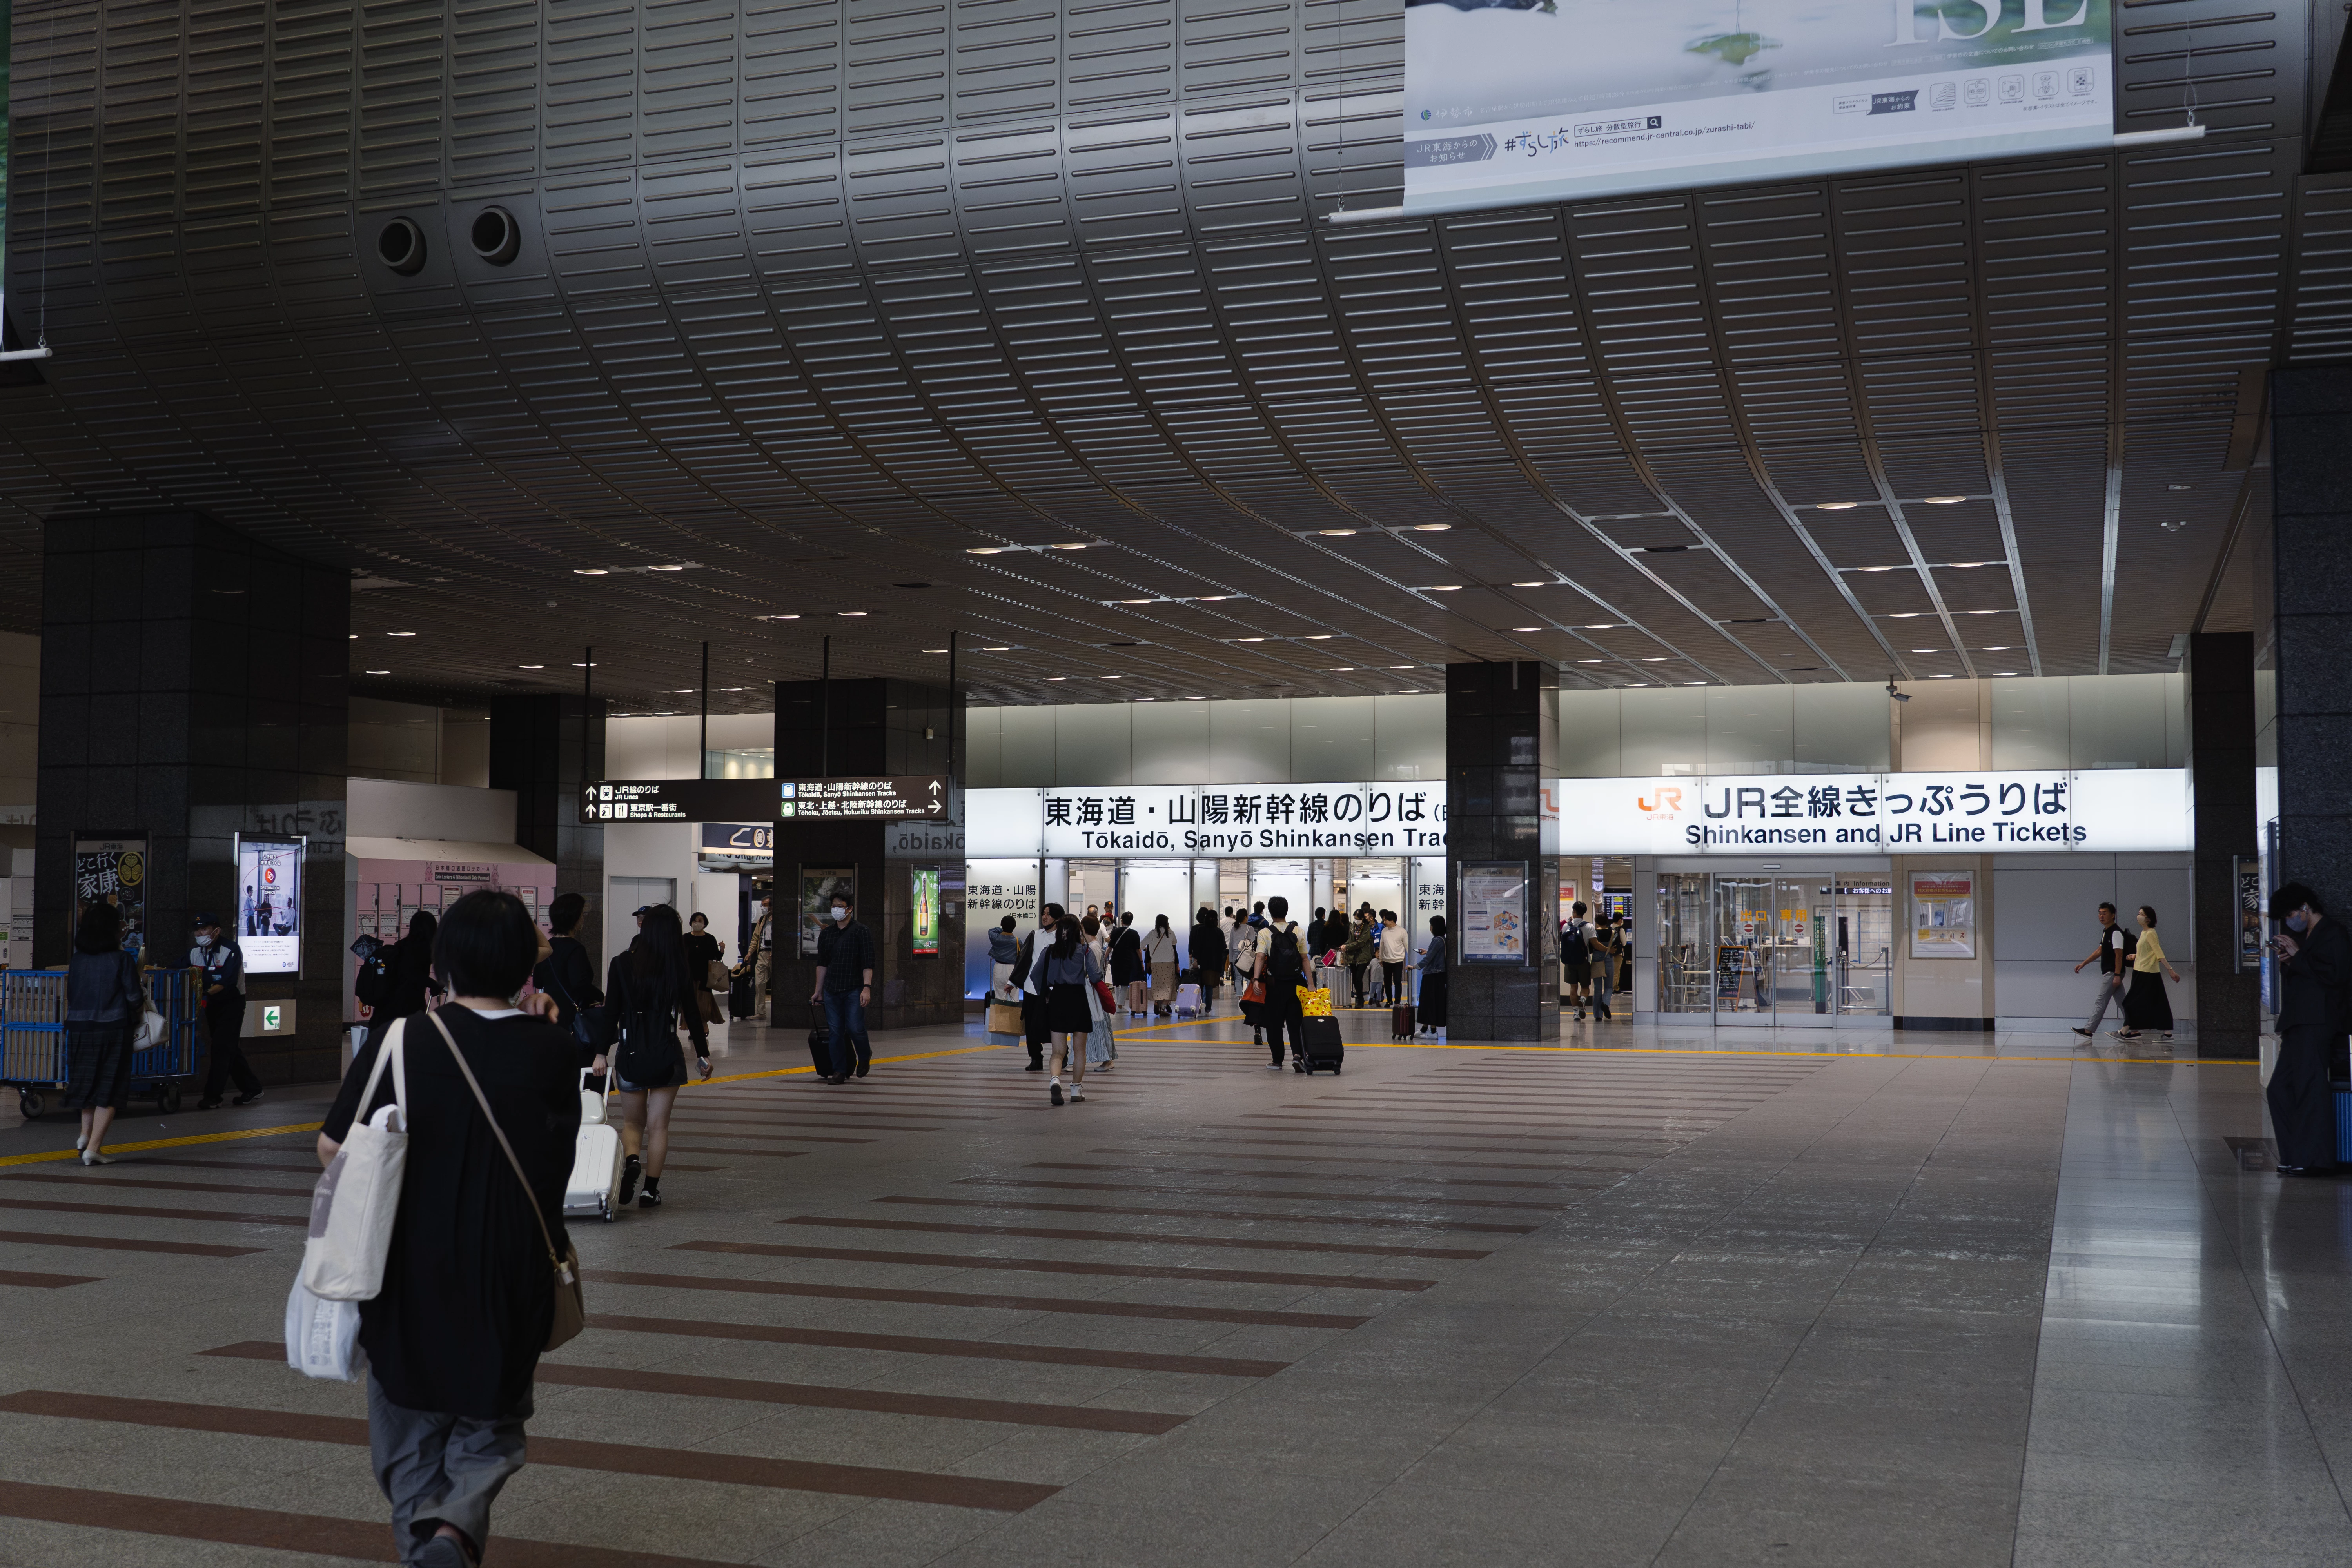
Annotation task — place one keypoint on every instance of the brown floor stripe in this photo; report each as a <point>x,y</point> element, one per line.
<point>1056,1265</point>
<point>128,1211</point>
<point>1432,1223</point>
<point>570,1453</point>
<point>301,1195</point>
<point>707,1149</point>
<point>1289,1175</point>
<point>261,1529</point>
<point>124,1244</point>
<point>722,1126</point>
<point>764,1137</point>
<point>815,1396</point>
<point>1610,1144</point>
<point>1043,1233</point>
<point>54,1282</point>
<point>1074,1306</point>
<point>917,1344</point>
<point>1492,1142</point>
<point>830,1113</point>
<point>1583,1162</point>
<point>1245,1193</point>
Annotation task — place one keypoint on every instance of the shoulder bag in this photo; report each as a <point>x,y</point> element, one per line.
<point>570,1306</point>
<point>358,1196</point>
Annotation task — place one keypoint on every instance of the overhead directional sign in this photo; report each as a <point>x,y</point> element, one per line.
<point>676,800</point>
<point>893,799</point>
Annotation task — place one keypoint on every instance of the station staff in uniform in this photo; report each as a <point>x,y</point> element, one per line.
<point>223,962</point>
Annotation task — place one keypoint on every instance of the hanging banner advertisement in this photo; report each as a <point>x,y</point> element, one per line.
<point>1943,914</point>
<point>1494,912</point>
<point>2246,877</point>
<point>1526,100</point>
<point>111,868</point>
<point>817,888</point>
<point>269,926</point>
<point>925,927</point>
<point>2102,811</point>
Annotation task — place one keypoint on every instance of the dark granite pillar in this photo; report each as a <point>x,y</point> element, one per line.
<point>1501,750</point>
<point>870,727</point>
<point>2220,669</point>
<point>544,748</point>
<point>194,686</point>
<point>2311,504</point>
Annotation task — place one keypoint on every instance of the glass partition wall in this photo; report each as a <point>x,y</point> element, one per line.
<point>1767,948</point>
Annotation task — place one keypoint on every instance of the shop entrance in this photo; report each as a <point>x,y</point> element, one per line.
<point>1759,948</point>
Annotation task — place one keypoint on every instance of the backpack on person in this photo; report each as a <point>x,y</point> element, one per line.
<point>1283,963</point>
<point>374,986</point>
<point>1574,950</point>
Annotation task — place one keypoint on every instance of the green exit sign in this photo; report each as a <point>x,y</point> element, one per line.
<point>273,1018</point>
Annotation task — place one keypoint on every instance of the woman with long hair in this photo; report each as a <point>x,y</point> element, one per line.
<point>1127,965</point>
<point>2145,1005</point>
<point>1072,971</point>
<point>1208,955</point>
<point>651,992</point>
<point>1161,955</point>
<point>104,1004</point>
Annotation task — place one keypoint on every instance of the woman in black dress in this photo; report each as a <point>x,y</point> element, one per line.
<point>453,1338</point>
<point>2315,1011</point>
<point>104,1004</point>
<point>702,951</point>
<point>651,994</point>
<point>1127,971</point>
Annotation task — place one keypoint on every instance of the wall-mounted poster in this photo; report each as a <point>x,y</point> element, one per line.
<point>1943,914</point>
<point>111,868</point>
<point>1522,100</point>
<point>926,923</point>
<point>269,926</point>
<point>1494,906</point>
<point>817,887</point>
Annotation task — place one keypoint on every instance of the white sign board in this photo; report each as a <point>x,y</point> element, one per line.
<point>1522,100</point>
<point>2103,812</point>
<point>1207,821</point>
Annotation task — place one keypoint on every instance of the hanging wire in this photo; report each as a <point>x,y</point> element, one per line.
<point>2188,82</point>
<point>48,126</point>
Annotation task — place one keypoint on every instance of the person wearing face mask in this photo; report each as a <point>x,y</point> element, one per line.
<point>844,988</point>
<point>2314,1013</point>
<point>223,962</point>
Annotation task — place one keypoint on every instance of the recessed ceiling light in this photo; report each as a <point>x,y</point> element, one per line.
<point>577,665</point>
<point>1200,699</point>
<point>589,572</point>
<point>1057,678</point>
<point>1983,612</point>
<point>530,667</point>
<point>1655,657</point>
<point>1944,500</point>
<point>1076,546</point>
<point>1147,700</point>
<point>666,569</point>
<point>2180,487</point>
<point>1545,584</point>
<point>778,617</point>
<point>1337,533</point>
<point>682,691</point>
<point>1135,600</point>
<point>849,614</point>
<point>375,672</point>
<point>999,648</point>
<point>935,650</point>
<point>1443,588</point>
<point>1341,669</point>
<point>1592,662</point>
<point>1400,666</point>
<point>1409,691</point>
<point>1604,626</point>
<point>1877,568</point>
<point>1249,639</point>
<point>1694,683</point>
<point>1212,598</point>
<point>1113,678</point>
<point>400,633</point>
<point>1924,650</point>
<point>1526,628</point>
<point>985,550</point>
<point>1995,648</point>
<point>734,688</point>
<point>355,636</point>
<point>1939,678</point>
<point>1315,636</point>
<point>1431,527</point>
<point>1835,505</point>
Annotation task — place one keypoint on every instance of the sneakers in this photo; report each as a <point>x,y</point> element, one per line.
<point>650,1199</point>
<point>248,1099</point>
<point>1273,1067</point>
<point>632,1168</point>
<point>1078,1091</point>
<point>1054,1091</point>
<point>208,1105</point>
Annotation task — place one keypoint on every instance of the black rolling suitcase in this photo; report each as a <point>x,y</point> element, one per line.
<point>740,1001</point>
<point>1318,1044</point>
<point>820,1049</point>
<point>1400,1022</point>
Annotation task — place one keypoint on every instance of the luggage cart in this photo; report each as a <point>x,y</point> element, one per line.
<point>33,1038</point>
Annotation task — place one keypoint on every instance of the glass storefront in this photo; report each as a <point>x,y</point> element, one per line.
<point>1760,947</point>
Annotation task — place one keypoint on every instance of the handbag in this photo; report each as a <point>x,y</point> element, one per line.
<point>1105,995</point>
<point>594,1028</point>
<point>570,1306</point>
<point>322,1337</point>
<point>1004,1018</point>
<point>1254,991</point>
<point>715,978</point>
<point>358,1196</point>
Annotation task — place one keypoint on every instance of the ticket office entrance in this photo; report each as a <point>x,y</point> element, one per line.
<point>1787,945</point>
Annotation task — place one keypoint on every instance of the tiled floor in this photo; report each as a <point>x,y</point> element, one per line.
<point>1788,1297</point>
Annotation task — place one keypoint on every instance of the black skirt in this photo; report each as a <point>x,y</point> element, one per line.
<point>97,1065</point>
<point>1432,1011</point>
<point>2146,1005</point>
<point>1066,1011</point>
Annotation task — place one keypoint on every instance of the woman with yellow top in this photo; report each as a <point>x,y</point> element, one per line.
<point>2146,1005</point>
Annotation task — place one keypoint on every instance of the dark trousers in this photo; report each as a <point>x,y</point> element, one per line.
<point>1356,982</point>
<point>2303,1100</point>
<point>1391,984</point>
<point>1282,1006</point>
<point>224,1027</point>
<point>1033,1018</point>
<point>844,1016</point>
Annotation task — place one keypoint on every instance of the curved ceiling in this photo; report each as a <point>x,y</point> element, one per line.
<point>888,318</point>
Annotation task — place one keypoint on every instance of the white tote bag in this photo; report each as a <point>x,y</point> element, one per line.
<point>323,1338</point>
<point>354,1205</point>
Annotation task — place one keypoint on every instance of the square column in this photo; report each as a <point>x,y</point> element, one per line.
<point>546,748</point>
<point>1502,751</point>
<point>2220,669</point>
<point>2311,505</point>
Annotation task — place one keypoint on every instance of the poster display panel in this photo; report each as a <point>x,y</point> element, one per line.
<point>818,884</point>
<point>924,929</point>
<point>1524,100</point>
<point>112,868</point>
<point>1943,914</point>
<point>994,889</point>
<point>1495,928</point>
<point>269,904</point>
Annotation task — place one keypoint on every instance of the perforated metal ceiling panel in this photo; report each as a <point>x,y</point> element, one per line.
<point>806,304</point>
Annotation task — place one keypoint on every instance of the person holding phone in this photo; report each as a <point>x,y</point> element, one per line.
<point>2314,1014</point>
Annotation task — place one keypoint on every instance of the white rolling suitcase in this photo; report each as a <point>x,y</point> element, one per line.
<point>594,1184</point>
<point>1188,1001</point>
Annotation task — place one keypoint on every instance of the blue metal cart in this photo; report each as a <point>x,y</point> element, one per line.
<point>33,1037</point>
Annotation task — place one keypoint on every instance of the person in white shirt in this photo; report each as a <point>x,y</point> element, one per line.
<point>1392,951</point>
<point>1281,966</point>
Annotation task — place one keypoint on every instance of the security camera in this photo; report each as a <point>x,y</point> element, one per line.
<point>1898,696</point>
